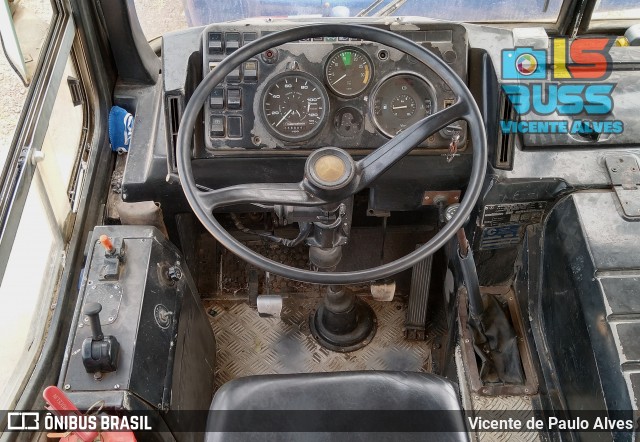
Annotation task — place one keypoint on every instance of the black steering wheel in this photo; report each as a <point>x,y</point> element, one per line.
<point>315,190</point>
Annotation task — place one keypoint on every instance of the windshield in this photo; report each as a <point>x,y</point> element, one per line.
<point>616,9</point>
<point>177,15</point>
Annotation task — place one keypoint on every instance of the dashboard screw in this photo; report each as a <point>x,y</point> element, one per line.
<point>67,386</point>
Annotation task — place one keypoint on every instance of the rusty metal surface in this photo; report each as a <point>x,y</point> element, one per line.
<point>250,345</point>
<point>448,197</point>
<point>498,407</point>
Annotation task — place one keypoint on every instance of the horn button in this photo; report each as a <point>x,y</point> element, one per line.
<point>329,168</point>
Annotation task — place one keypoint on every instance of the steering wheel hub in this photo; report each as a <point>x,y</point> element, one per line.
<point>329,168</point>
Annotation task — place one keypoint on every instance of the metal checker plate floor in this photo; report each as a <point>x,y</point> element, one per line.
<point>249,345</point>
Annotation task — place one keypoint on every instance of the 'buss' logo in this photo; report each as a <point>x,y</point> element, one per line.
<point>567,80</point>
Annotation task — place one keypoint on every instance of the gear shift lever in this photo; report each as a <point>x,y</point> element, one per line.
<point>99,352</point>
<point>92,310</point>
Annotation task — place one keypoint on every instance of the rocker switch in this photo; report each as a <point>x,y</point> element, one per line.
<point>99,352</point>
<point>234,98</point>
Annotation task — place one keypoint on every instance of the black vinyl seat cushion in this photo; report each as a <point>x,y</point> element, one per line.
<point>367,405</point>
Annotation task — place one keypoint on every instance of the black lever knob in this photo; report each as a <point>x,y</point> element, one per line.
<point>92,310</point>
<point>100,352</point>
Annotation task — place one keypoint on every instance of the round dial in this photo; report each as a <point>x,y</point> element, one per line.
<point>401,100</point>
<point>294,106</point>
<point>348,71</point>
<point>403,106</point>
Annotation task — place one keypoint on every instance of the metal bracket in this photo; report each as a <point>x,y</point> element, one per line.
<point>625,178</point>
<point>448,197</point>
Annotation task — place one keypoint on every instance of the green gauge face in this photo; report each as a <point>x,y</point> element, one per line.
<point>348,71</point>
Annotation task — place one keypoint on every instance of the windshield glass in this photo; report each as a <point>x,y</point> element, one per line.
<point>160,17</point>
<point>616,9</point>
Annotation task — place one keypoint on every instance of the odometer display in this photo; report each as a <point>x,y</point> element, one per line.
<point>348,71</point>
<point>294,106</point>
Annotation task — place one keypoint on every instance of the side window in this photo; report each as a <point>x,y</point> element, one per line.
<point>37,221</point>
<point>31,22</point>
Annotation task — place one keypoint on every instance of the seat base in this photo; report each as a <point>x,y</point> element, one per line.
<point>318,406</point>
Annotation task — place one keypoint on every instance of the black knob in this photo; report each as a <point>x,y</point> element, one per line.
<point>92,310</point>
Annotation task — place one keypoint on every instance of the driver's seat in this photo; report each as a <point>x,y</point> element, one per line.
<point>364,405</point>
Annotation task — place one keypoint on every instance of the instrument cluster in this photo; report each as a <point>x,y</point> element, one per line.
<point>326,92</point>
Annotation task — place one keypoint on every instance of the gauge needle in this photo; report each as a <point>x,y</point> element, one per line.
<point>399,107</point>
<point>339,79</point>
<point>283,118</point>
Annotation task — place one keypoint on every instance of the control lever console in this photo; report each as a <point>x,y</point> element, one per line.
<point>99,352</point>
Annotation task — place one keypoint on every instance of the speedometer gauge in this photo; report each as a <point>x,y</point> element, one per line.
<point>294,106</point>
<point>348,71</point>
<point>401,100</point>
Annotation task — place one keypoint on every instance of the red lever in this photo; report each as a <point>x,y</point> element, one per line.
<point>60,405</point>
<point>106,243</point>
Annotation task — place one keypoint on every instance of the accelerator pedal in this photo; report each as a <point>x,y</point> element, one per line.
<point>416,322</point>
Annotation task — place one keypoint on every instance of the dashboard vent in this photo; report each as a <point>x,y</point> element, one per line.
<point>506,141</point>
<point>174,114</point>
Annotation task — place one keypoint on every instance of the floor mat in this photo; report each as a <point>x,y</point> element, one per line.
<point>249,345</point>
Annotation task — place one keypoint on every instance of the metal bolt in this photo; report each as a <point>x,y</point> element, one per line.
<point>614,169</point>
<point>110,318</point>
<point>116,286</point>
<point>97,376</point>
<point>174,273</point>
<point>86,319</point>
<point>466,340</point>
<point>67,386</point>
<point>80,325</point>
<point>117,386</point>
<point>526,390</point>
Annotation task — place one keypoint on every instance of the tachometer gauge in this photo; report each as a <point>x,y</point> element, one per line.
<point>401,100</point>
<point>348,71</point>
<point>294,106</point>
